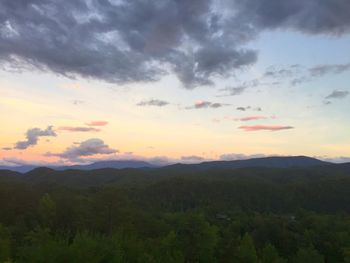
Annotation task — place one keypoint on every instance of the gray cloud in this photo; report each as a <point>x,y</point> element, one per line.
<point>153,102</point>
<point>239,156</point>
<point>32,137</point>
<point>340,159</point>
<point>192,159</point>
<point>296,74</point>
<point>322,70</point>
<point>86,148</point>
<point>249,108</point>
<point>279,73</point>
<point>78,102</point>
<point>338,94</point>
<point>238,90</point>
<point>206,104</point>
<point>243,108</point>
<point>6,148</point>
<point>78,129</point>
<point>312,17</point>
<point>133,41</point>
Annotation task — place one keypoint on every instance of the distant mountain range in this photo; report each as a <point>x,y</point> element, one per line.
<point>114,164</point>
<point>272,162</point>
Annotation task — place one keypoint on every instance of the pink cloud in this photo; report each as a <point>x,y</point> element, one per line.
<point>265,128</point>
<point>78,129</point>
<point>97,123</point>
<point>251,118</point>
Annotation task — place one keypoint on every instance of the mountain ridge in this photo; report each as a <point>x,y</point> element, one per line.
<point>271,162</point>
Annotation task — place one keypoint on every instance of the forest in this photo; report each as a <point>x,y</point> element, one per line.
<point>249,215</point>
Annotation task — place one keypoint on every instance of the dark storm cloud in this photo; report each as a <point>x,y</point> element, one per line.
<point>312,16</point>
<point>153,102</point>
<point>32,137</point>
<point>141,40</point>
<point>338,94</point>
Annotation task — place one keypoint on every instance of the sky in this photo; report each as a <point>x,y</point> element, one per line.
<point>173,80</point>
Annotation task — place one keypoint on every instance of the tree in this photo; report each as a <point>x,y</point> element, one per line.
<point>197,238</point>
<point>246,251</point>
<point>270,255</point>
<point>5,244</point>
<point>308,255</point>
<point>47,210</point>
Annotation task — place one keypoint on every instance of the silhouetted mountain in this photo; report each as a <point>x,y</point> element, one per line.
<point>271,162</point>
<point>20,169</point>
<point>115,164</point>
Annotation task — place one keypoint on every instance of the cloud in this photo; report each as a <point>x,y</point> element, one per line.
<point>206,104</point>
<point>32,137</point>
<point>89,147</point>
<point>251,118</point>
<point>338,94</point>
<point>340,159</point>
<point>322,70</point>
<point>318,71</point>
<point>6,148</point>
<point>139,41</point>
<point>265,128</point>
<point>311,17</point>
<point>238,90</point>
<point>78,102</point>
<point>192,159</point>
<point>153,102</point>
<point>243,108</point>
<point>97,123</point>
<point>280,73</point>
<point>248,108</point>
<point>239,156</point>
<point>78,129</point>
<point>18,162</point>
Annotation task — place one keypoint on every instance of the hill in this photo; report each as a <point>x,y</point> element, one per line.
<point>272,162</point>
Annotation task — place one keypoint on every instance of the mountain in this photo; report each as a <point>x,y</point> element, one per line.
<point>19,169</point>
<point>270,162</point>
<point>115,164</point>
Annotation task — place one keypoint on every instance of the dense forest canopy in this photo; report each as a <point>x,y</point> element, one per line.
<point>169,215</point>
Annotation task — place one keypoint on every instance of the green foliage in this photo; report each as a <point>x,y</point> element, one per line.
<point>270,255</point>
<point>308,255</point>
<point>246,250</point>
<point>5,244</point>
<point>47,210</point>
<point>245,216</point>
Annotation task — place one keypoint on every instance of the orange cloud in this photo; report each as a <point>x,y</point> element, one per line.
<point>97,123</point>
<point>265,128</point>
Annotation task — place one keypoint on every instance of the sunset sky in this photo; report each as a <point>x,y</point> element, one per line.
<point>173,80</point>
